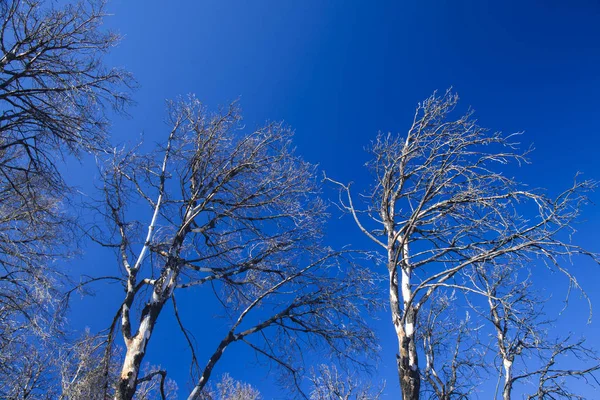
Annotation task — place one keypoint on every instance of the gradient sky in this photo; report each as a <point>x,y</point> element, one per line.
<point>339,72</point>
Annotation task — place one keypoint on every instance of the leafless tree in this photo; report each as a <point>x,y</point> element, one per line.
<point>230,389</point>
<point>25,368</point>
<point>82,367</point>
<point>54,89</point>
<point>89,372</point>
<point>238,215</point>
<point>31,236</point>
<point>523,344</point>
<point>54,94</point>
<point>553,380</point>
<point>329,384</point>
<point>155,384</point>
<point>441,203</point>
<point>455,359</point>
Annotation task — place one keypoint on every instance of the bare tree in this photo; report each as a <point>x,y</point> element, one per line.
<point>55,89</point>
<point>455,359</point>
<point>527,354</point>
<point>82,367</point>
<point>155,384</point>
<point>230,389</point>
<point>440,203</point>
<point>27,367</point>
<point>31,236</point>
<point>329,384</point>
<point>88,371</point>
<point>237,215</point>
<point>54,95</point>
<point>553,380</point>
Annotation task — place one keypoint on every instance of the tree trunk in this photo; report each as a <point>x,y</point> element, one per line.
<point>136,348</point>
<point>408,366</point>
<point>508,380</point>
<point>136,345</point>
<point>407,359</point>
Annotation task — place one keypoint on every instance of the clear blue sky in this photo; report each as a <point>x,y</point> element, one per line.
<point>340,71</point>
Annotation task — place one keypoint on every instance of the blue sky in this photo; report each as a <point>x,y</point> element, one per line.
<point>339,72</point>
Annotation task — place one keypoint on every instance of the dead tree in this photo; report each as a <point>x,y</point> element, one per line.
<point>230,389</point>
<point>552,381</point>
<point>88,372</point>
<point>236,214</point>
<point>455,359</point>
<point>328,383</point>
<point>54,92</point>
<point>440,203</point>
<point>527,354</point>
<point>54,95</point>
<point>54,87</point>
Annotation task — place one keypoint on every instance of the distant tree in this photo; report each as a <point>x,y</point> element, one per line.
<point>330,384</point>
<point>230,389</point>
<point>236,215</point>
<point>440,203</point>
<point>54,96</point>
